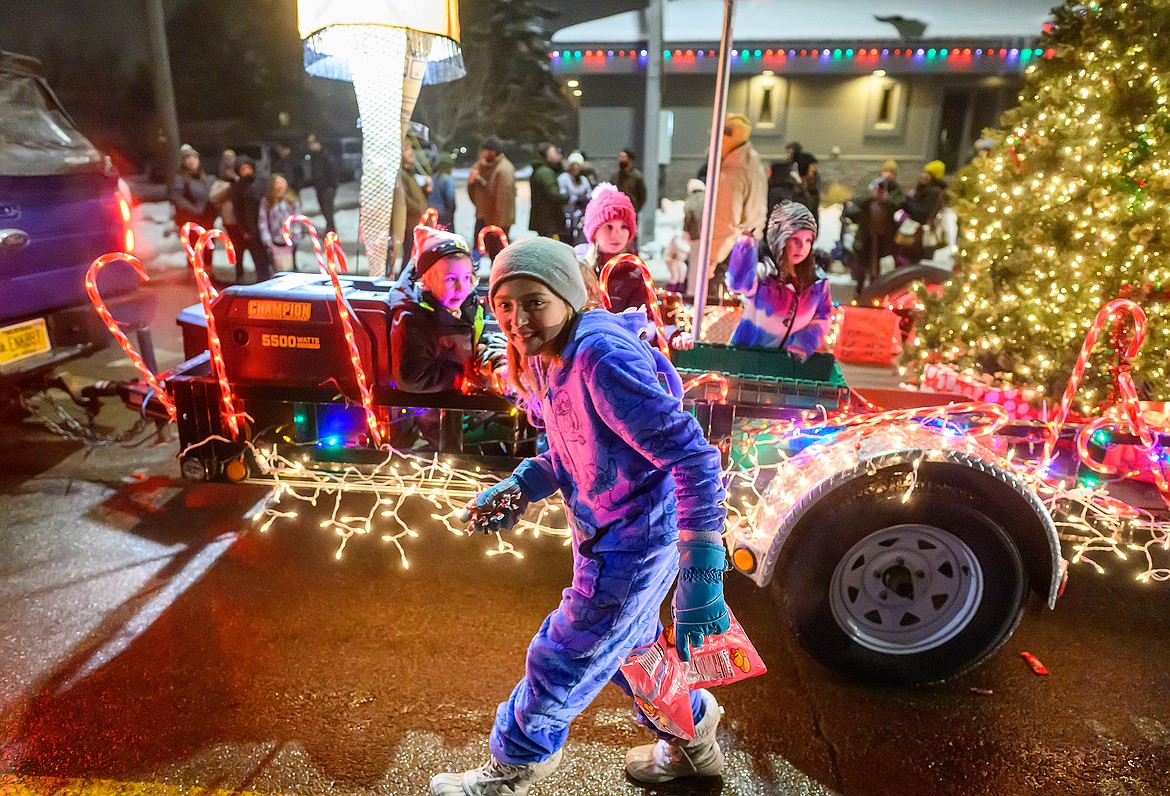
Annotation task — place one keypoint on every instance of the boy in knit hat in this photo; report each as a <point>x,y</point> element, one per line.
<point>787,304</point>
<point>436,319</point>
<point>644,493</point>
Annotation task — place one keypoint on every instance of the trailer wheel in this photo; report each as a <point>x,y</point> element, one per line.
<point>886,592</point>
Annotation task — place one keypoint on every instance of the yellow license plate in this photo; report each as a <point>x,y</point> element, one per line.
<point>23,340</point>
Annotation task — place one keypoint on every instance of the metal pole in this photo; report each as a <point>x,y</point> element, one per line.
<point>651,131</point>
<point>713,162</point>
<point>164,86</point>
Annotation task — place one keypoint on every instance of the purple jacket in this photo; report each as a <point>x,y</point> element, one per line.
<point>774,314</point>
<point>632,465</point>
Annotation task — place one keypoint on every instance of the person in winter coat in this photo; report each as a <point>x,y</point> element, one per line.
<point>291,168</point>
<point>629,180</point>
<point>578,190</point>
<point>787,304</point>
<point>442,196</point>
<point>246,203</point>
<point>279,203</point>
<point>547,215</point>
<point>610,227</point>
<point>810,181</point>
<point>220,198</point>
<point>410,202</point>
<point>323,177</point>
<point>190,191</point>
<point>894,193</point>
<point>643,491</point>
<point>741,198</point>
<point>922,205</point>
<point>874,239</point>
<point>436,319</point>
<point>491,186</point>
<point>783,187</point>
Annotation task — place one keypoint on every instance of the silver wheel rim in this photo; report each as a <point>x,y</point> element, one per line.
<point>906,589</point>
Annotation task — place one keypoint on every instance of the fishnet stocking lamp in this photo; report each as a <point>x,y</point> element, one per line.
<point>388,49</point>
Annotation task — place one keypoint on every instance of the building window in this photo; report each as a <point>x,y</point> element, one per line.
<point>767,97</point>
<point>888,100</point>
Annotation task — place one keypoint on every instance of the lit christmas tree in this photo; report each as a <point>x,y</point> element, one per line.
<point>1070,210</point>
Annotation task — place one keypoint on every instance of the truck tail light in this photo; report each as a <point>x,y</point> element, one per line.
<point>127,230</point>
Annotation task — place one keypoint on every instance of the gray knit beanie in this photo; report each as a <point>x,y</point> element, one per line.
<point>544,260</point>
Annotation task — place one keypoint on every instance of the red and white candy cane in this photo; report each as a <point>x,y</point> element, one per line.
<point>1134,417</point>
<point>1104,316</point>
<point>304,222</point>
<point>335,262</point>
<point>203,282</point>
<point>713,376</point>
<point>490,229</point>
<point>635,262</point>
<point>99,304</point>
<point>193,229</point>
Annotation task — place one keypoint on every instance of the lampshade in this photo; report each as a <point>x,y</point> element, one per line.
<point>326,27</point>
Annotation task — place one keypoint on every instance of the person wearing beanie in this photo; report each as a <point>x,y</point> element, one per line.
<point>435,318</point>
<point>491,186</point>
<point>577,190</point>
<point>895,196</point>
<point>741,198</point>
<point>190,192</point>
<point>786,302</point>
<point>644,494</point>
<point>610,227</point>
<point>921,208</point>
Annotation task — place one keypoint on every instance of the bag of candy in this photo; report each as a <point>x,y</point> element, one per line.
<point>662,683</point>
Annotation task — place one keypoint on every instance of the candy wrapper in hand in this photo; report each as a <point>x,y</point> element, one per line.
<point>662,683</point>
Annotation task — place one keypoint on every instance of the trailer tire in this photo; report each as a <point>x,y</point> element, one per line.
<point>892,593</point>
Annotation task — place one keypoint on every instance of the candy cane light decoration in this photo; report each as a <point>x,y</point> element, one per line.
<point>635,262</point>
<point>115,328</point>
<point>388,49</point>
<point>228,410</point>
<point>481,241</point>
<point>189,230</point>
<point>1104,316</point>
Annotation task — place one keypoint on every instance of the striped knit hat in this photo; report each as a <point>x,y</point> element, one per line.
<point>787,218</point>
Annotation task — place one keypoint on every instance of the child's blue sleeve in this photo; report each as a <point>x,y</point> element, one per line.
<point>741,266</point>
<point>537,476</point>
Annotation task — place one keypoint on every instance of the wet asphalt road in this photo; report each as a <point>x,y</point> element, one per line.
<point>149,634</point>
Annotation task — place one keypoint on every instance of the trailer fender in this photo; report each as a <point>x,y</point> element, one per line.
<point>809,482</point>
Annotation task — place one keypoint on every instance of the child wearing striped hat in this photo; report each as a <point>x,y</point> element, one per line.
<point>787,303</point>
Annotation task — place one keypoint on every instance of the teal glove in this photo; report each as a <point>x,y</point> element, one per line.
<point>498,508</point>
<point>699,609</point>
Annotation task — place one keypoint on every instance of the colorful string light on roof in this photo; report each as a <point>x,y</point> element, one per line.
<point>959,54</point>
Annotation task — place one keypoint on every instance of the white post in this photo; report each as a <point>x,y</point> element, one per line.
<point>653,107</point>
<point>713,162</point>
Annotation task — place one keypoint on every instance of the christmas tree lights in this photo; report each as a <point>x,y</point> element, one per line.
<point>1069,210</point>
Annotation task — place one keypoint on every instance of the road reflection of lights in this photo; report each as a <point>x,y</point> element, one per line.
<point>152,609</point>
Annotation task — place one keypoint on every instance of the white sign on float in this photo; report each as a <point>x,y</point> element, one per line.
<point>388,49</point>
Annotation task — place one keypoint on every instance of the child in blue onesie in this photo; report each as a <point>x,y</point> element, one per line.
<point>643,491</point>
<point>787,304</point>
